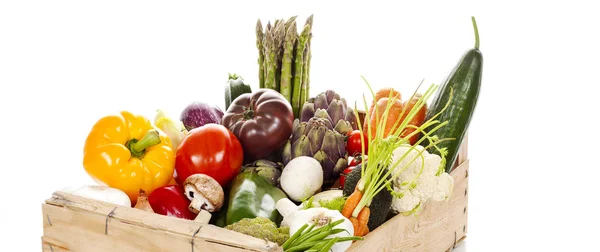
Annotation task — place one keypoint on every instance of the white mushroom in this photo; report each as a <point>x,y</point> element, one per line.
<point>206,196</point>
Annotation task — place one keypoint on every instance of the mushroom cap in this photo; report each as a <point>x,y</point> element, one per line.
<point>206,187</point>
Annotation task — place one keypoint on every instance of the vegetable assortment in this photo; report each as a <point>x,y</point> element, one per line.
<point>303,172</point>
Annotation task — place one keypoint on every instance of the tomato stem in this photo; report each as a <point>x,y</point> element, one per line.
<point>138,147</point>
<point>249,113</point>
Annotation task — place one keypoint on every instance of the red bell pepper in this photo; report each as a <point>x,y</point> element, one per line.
<point>171,201</point>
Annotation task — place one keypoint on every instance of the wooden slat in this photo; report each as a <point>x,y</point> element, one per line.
<point>73,223</point>
<point>463,154</point>
<point>438,227</point>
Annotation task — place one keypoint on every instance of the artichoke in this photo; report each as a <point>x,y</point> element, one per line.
<point>331,104</point>
<point>320,133</point>
<point>269,170</point>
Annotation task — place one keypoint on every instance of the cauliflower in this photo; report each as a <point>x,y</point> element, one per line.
<point>418,183</point>
<point>262,228</point>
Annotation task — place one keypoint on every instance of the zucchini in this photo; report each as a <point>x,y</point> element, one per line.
<point>234,88</point>
<point>462,87</point>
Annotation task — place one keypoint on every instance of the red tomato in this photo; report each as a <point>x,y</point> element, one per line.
<point>212,150</point>
<point>354,144</point>
<point>345,173</point>
<point>171,201</point>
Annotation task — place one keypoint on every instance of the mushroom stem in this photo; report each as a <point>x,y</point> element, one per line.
<point>200,202</point>
<point>203,217</point>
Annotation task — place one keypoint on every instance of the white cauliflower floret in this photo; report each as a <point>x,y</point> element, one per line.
<point>407,203</point>
<point>427,186</point>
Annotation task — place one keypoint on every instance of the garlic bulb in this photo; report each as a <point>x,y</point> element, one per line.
<point>295,217</point>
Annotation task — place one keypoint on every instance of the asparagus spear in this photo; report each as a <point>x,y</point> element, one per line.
<point>277,21</point>
<point>279,39</point>
<point>304,86</point>
<point>270,64</point>
<point>286,63</point>
<point>309,21</point>
<point>268,30</point>
<point>299,62</point>
<point>290,22</point>
<point>261,54</point>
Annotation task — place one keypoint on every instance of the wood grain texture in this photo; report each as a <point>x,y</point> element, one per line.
<point>439,227</point>
<point>73,223</point>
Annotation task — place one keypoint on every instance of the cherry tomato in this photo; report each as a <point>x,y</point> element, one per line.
<point>354,143</point>
<point>212,150</point>
<point>343,175</point>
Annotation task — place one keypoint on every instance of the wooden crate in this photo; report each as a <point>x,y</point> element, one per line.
<point>73,223</point>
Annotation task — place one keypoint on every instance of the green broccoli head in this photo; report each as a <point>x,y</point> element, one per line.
<point>262,228</point>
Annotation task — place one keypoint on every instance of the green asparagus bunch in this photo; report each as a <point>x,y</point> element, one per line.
<point>284,59</point>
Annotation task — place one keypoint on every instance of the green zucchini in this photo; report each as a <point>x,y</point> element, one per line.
<point>234,88</point>
<point>460,91</point>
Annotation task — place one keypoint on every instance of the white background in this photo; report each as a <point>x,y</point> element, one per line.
<point>533,140</point>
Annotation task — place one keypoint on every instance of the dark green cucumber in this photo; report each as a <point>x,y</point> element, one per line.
<point>463,84</point>
<point>234,88</point>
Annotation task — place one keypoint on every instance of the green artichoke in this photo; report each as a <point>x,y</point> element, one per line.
<point>331,104</point>
<point>269,170</point>
<point>320,133</point>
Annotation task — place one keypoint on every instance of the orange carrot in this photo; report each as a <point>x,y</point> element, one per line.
<point>417,120</point>
<point>351,203</point>
<point>383,95</point>
<point>355,224</point>
<point>363,220</point>
<point>392,117</point>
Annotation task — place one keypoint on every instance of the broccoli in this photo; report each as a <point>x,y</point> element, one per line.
<point>262,228</point>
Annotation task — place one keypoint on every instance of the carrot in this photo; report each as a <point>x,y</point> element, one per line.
<point>417,120</point>
<point>363,220</point>
<point>351,203</point>
<point>355,224</point>
<point>383,93</point>
<point>392,117</point>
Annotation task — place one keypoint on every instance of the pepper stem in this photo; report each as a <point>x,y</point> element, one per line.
<point>476,32</point>
<point>138,147</point>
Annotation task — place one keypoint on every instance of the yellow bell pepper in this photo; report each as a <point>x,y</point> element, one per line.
<point>125,151</point>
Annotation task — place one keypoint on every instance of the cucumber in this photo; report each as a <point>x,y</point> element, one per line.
<point>463,84</point>
<point>234,88</point>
